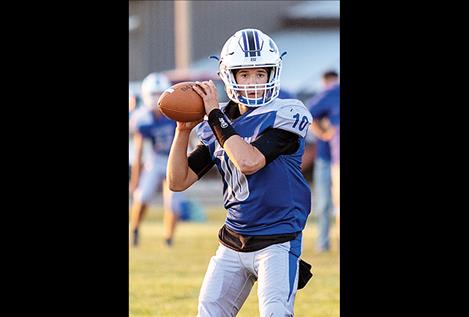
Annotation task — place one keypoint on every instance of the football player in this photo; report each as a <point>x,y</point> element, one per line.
<point>149,125</point>
<point>325,107</point>
<point>256,141</point>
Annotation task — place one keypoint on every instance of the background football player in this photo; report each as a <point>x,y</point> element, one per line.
<point>149,125</point>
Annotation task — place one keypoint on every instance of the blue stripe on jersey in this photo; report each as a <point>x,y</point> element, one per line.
<point>257,43</point>
<point>246,48</point>
<point>292,268</point>
<point>295,245</point>
<point>293,256</point>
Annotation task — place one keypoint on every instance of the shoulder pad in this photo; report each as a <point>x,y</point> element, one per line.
<point>293,116</point>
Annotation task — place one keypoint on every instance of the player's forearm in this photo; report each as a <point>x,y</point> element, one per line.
<point>244,156</point>
<point>137,163</point>
<point>247,158</point>
<point>135,173</point>
<point>178,167</point>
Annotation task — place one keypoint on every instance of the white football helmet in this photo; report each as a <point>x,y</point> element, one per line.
<point>250,48</point>
<point>152,86</point>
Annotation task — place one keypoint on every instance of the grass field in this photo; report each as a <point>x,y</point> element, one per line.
<point>166,282</point>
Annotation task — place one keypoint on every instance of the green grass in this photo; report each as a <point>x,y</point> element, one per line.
<point>166,282</point>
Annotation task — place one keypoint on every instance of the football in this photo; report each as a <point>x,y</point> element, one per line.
<point>182,103</point>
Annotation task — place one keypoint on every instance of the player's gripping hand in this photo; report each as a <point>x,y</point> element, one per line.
<point>208,91</point>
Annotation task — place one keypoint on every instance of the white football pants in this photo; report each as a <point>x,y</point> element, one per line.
<point>153,175</point>
<point>231,275</point>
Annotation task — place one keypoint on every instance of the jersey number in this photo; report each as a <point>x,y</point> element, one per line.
<point>303,123</point>
<point>237,182</point>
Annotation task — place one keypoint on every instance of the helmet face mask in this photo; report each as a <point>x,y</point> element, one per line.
<point>250,48</point>
<point>152,87</point>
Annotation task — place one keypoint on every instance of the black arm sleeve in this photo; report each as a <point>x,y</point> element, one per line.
<point>275,142</point>
<point>200,161</point>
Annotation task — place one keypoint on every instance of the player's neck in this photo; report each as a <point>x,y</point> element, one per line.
<point>242,108</point>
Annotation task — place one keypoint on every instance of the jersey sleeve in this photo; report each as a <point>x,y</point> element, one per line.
<point>293,117</point>
<point>200,160</point>
<point>275,142</point>
<point>205,133</point>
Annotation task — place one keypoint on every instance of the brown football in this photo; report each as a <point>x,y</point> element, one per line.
<point>182,103</point>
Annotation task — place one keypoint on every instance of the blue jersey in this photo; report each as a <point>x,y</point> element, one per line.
<point>327,104</point>
<point>276,199</point>
<point>159,130</point>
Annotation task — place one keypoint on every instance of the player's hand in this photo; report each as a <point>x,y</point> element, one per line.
<point>187,126</point>
<point>208,91</point>
<point>328,134</point>
<point>323,129</point>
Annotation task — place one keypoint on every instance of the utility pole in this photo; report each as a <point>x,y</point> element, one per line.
<point>183,38</point>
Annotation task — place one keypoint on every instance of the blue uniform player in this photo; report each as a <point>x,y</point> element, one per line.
<point>325,106</point>
<point>149,126</point>
<point>256,140</point>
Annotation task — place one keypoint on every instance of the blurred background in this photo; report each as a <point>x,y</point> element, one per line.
<point>307,30</point>
<point>177,38</point>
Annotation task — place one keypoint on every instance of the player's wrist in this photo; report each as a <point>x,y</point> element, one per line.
<point>182,130</point>
<point>220,126</point>
<point>209,109</point>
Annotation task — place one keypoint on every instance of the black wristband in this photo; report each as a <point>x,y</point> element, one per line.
<point>221,128</point>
